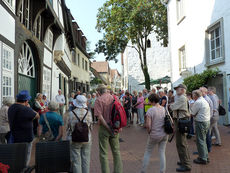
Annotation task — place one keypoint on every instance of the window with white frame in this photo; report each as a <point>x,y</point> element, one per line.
<point>27,13</point>
<point>37,27</point>
<point>24,13</point>
<point>182,59</point>
<point>10,4</point>
<point>7,71</point>
<point>49,39</point>
<point>47,81</point>
<point>180,9</point>
<point>20,12</point>
<point>215,43</point>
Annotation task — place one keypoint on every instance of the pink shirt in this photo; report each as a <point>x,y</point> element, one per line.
<point>103,106</point>
<point>141,101</point>
<point>157,115</point>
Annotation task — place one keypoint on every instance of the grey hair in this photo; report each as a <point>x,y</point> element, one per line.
<point>102,90</point>
<point>213,89</point>
<point>8,101</point>
<point>197,93</point>
<point>204,90</point>
<point>53,106</point>
<point>94,94</point>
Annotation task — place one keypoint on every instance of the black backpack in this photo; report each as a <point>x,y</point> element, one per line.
<point>168,124</point>
<point>221,110</point>
<point>81,130</point>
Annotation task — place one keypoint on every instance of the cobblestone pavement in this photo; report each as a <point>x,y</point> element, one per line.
<point>132,151</point>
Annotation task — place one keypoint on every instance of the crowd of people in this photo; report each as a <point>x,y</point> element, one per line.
<point>20,121</point>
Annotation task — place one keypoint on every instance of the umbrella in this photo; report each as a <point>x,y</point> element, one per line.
<point>164,80</point>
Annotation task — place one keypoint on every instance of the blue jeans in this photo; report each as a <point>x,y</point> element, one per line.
<point>80,157</point>
<point>151,144</point>
<point>140,112</point>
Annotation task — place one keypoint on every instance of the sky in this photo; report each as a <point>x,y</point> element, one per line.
<point>85,14</point>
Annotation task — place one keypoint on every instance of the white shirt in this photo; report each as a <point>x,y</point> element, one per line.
<point>201,110</point>
<point>60,99</point>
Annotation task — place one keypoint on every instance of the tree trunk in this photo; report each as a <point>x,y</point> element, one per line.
<point>142,53</point>
<point>147,78</point>
<point>145,70</point>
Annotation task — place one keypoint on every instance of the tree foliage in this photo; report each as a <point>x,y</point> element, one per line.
<point>124,21</point>
<point>95,81</point>
<point>198,80</point>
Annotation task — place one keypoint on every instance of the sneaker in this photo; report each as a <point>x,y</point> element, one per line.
<point>200,161</point>
<point>179,163</point>
<point>183,169</point>
<point>218,145</point>
<point>213,137</point>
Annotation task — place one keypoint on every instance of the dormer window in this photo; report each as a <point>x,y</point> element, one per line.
<point>24,13</point>
<point>37,27</point>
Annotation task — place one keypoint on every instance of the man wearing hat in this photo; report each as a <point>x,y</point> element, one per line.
<point>181,111</point>
<point>21,118</point>
<point>102,110</point>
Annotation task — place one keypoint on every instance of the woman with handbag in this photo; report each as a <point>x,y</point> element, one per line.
<point>80,151</point>
<point>51,124</point>
<point>155,118</point>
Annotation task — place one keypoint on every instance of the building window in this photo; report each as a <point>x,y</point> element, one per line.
<point>24,13</point>
<point>7,59</point>
<point>215,43</point>
<point>47,81</point>
<point>26,61</point>
<point>78,59</point>
<point>20,13</point>
<point>180,10</point>
<point>7,71</point>
<point>10,4</point>
<point>182,59</point>
<point>49,39</point>
<point>86,65</point>
<point>83,63</point>
<point>27,13</point>
<point>74,58</point>
<point>37,27</point>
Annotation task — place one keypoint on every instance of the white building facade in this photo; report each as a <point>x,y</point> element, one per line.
<point>158,61</point>
<point>199,40</point>
<point>7,44</point>
<point>36,45</point>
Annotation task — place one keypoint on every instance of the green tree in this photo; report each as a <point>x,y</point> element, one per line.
<point>122,21</point>
<point>198,80</point>
<point>89,51</point>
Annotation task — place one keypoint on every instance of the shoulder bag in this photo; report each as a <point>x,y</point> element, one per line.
<point>48,136</point>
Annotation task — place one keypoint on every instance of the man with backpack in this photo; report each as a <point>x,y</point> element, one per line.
<point>107,135</point>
